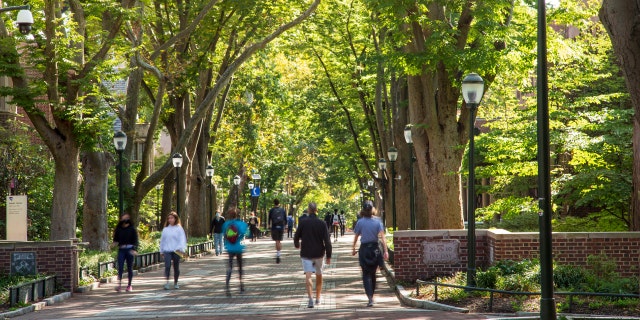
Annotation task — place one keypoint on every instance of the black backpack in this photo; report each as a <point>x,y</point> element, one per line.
<point>278,217</point>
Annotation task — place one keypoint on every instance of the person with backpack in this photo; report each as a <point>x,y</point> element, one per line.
<point>335,224</point>
<point>216,228</point>
<point>372,241</point>
<point>254,222</point>
<point>234,231</point>
<point>277,220</point>
<point>316,243</point>
<point>290,226</point>
<point>173,244</point>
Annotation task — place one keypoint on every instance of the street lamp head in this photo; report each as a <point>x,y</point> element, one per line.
<point>120,140</point>
<point>407,134</point>
<point>370,183</point>
<point>472,89</point>
<point>375,174</point>
<point>24,21</point>
<point>236,180</point>
<point>382,164</point>
<point>177,160</point>
<point>158,187</point>
<point>209,171</point>
<point>392,154</point>
<point>251,185</point>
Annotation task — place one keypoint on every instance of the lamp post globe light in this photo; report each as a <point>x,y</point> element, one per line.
<point>382,165</point>
<point>408,137</point>
<point>371,191</point>
<point>209,171</point>
<point>177,163</point>
<point>472,90</point>
<point>236,182</point>
<point>393,156</point>
<point>120,143</point>
<point>547,302</point>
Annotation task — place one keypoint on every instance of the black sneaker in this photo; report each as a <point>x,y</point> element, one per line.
<point>278,261</point>
<point>310,305</point>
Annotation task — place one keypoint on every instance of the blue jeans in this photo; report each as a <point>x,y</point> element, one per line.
<point>125,254</point>
<point>217,242</point>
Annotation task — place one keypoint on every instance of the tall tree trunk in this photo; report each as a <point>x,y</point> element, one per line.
<point>436,136</point>
<point>95,168</point>
<point>65,191</point>
<point>621,18</point>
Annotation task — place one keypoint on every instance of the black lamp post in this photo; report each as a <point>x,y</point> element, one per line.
<point>209,171</point>
<point>547,302</point>
<point>251,185</point>
<point>472,90</point>
<point>158,187</point>
<point>120,142</point>
<point>409,139</point>
<point>393,156</point>
<point>236,182</point>
<point>177,163</point>
<point>264,208</point>
<point>382,164</point>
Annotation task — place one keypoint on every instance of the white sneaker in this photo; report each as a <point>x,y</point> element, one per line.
<point>167,286</point>
<point>176,286</point>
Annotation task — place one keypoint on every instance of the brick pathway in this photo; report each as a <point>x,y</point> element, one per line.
<point>273,291</point>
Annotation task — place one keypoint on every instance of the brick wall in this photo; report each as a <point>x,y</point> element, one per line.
<point>412,258</point>
<point>52,257</point>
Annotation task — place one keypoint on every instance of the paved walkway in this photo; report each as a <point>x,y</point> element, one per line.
<point>273,291</point>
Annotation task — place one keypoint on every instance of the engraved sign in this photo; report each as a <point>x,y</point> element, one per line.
<point>23,263</point>
<point>441,252</point>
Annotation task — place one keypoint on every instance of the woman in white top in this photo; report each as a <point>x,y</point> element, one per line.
<point>173,243</point>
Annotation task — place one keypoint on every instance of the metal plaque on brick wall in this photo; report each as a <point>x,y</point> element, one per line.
<point>441,252</point>
<point>23,263</point>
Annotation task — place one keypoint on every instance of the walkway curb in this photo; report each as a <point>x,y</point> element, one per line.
<point>36,305</point>
<point>404,296</point>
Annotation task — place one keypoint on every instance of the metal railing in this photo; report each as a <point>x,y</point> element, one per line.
<point>519,293</point>
<point>146,259</point>
<point>32,291</point>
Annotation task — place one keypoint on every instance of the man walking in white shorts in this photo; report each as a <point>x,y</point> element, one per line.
<point>314,242</point>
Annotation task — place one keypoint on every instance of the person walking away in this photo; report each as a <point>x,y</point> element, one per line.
<point>125,237</point>
<point>216,228</point>
<point>314,242</point>
<point>234,231</point>
<point>173,244</point>
<point>328,219</point>
<point>290,226</point>
<point>371,233</point>
<point>335,222</point>
<point>343,223</point>
<point>277,220</point>
<point>253,226</point>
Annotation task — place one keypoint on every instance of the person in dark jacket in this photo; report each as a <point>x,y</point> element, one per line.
<point>316,244</point>
<point>216,228</point>
<point>125,237</point>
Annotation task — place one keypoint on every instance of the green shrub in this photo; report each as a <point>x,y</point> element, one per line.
<point>516,282</point>
<point>509,267</point>
<point>487,279</point>
<point>569,277</point>
<point>602,267</point>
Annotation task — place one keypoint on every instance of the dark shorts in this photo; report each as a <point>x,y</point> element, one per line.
<point>277,234</point>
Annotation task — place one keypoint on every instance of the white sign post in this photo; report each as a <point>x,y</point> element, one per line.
<point>17,218</point>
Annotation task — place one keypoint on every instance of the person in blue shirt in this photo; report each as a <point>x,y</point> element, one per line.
<point>234,231</point>
<point>372,240</point>
<point>290,225</point>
